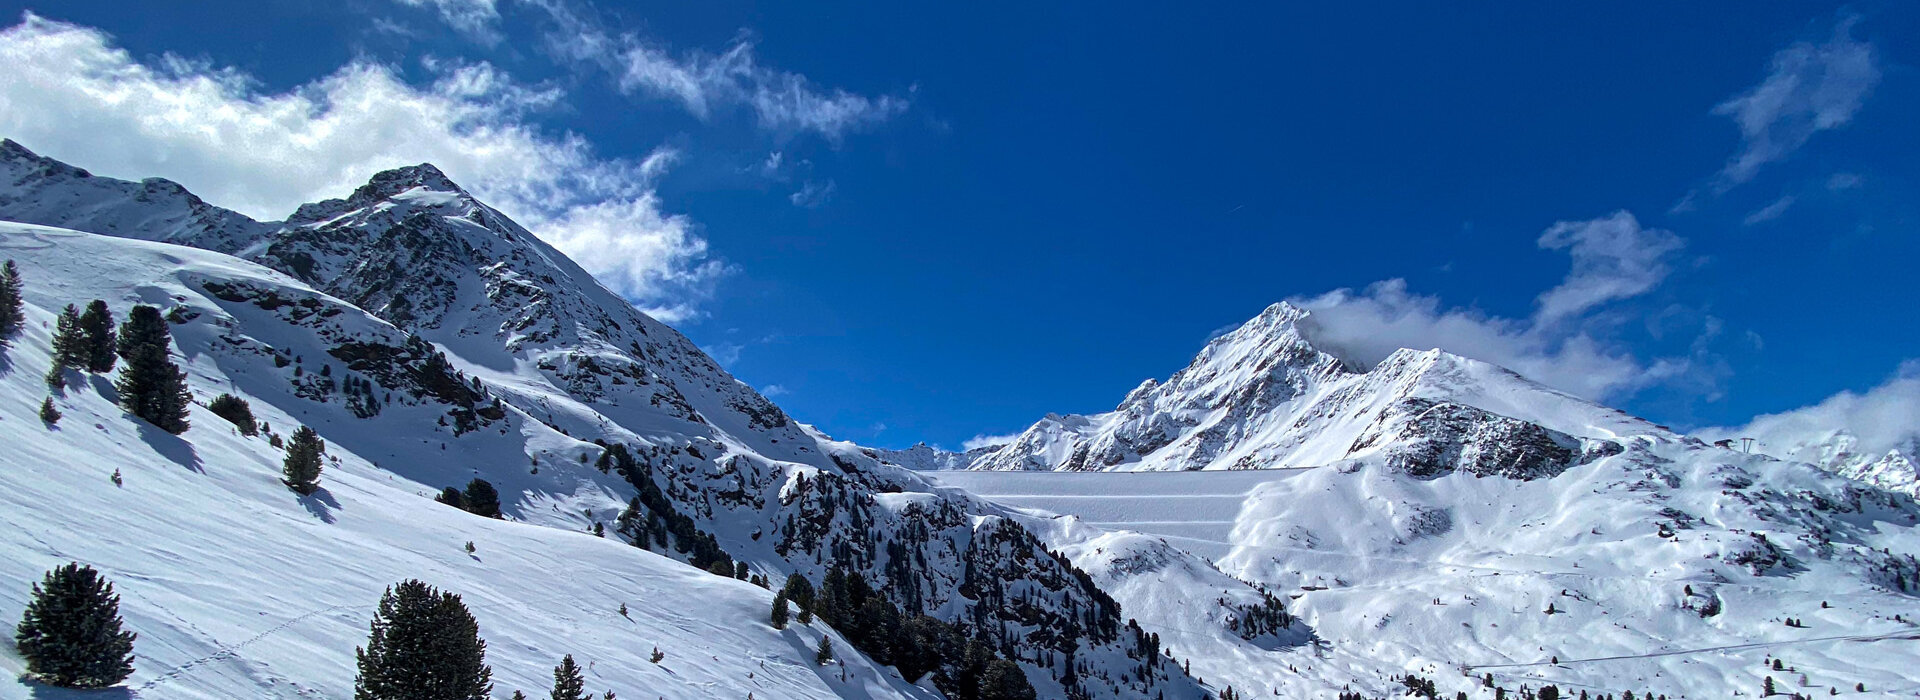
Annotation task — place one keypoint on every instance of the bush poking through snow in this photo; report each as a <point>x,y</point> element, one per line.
<point>423,644</point>
<point>236,411</point>
<point>70,633</point>
<point>48,413</point>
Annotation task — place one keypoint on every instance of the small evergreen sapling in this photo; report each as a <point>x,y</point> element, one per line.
<point>69,347</point>
<point>823,654</point>
<point>49,414</point>
<point>70,633</point>
<point>302,465</point>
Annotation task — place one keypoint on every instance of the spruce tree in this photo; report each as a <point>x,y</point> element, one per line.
<point>302,465</point>
<point>424,645</point>
<point>13,316</point>
<point>779,611</point>
<point>96,324</point>
<point>482,499</point>
<point>69,342</point>
<point>567,681</point>
<point>70,634</point>
<point>151,386</point>
<point>48,413</point>
<point>823,655</point>
<point>453,497</point>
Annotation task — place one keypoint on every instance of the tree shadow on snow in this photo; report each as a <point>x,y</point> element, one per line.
<point>321,504</point>
<point>42,691</point>
<point>171,446</point>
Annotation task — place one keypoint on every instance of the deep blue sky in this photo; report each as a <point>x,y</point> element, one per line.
<point>1077,196</point>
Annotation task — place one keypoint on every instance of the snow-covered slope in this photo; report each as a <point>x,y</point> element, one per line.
<point>239,587</point>
<point>477,350</point>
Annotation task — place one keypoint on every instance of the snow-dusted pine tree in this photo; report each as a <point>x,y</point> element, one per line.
<point>424,645</point>
<point>70,633</point>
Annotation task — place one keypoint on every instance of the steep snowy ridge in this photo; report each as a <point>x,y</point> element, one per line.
<point>424,333</point>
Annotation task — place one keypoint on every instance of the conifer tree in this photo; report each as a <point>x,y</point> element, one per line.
<point>70,634</point>
<point>823,655</point>
<point>48,413</point>
<point>151,386</point>
<point>453,497</point>
<point>13,316</point>
<point>424,645</point>
<point>302,465</point>
<point>482,499</point>
<point>96,325</point>
<point>779,611</point>
<point>567,681</point>
<point>69,342</point>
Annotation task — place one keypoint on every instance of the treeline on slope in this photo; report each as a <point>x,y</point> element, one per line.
<point>150,385</point>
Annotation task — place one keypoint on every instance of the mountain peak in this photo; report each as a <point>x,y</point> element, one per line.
<point>388,183</point>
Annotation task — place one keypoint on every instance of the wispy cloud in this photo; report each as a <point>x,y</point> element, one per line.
<point>772,390</point>
<point>812,194</point>
<point>1614,258</point>
<point>1810,88</point>
<point>1770,211</point>
<point>1885,417</point>
<point>979,441</point>
<point>69,93</point>
<point>478,19</point>
<point>704,83</point>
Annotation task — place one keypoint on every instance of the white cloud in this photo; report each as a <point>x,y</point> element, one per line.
<point>812,195</point>
<point>475,18</point>
<point>705,82</point>
<point>1885,417</point>
<point>772,390</point>
<point>70,94</point>
<point>1613,258</point>
<point>979,441</point>
<point>1810,88</point>
<point>1770,211</point>
<point>1841,182</point>
<point>1368,325</point>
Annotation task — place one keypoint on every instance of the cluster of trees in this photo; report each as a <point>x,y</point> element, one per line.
<point>651,521</point>
<point>480,498</point>
<point>963,666</point>
<point>151,386</point>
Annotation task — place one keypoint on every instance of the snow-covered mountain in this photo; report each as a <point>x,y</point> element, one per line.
<point>1447,518</point>
<point>1264,397</point>
<point>430,340</point>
